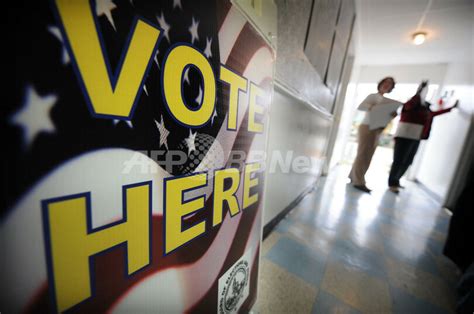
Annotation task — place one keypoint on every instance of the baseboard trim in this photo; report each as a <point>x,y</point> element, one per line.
<point>431,194</point>
<point>268,228</point>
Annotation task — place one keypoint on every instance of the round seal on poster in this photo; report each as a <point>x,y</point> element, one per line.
<point>234,288</point>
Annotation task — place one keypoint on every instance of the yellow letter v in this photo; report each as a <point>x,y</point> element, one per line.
<point>108,96</point>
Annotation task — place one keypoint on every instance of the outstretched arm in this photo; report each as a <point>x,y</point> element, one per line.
<point>437,113</point>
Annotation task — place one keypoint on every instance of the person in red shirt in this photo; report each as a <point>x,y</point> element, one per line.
<point>415,125</point>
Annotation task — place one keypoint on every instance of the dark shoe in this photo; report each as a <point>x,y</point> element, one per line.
<point>400,186</point>
<point>394,189</point>
<point>362,188</point>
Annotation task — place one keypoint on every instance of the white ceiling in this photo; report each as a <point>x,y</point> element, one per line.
<point>384,29</point>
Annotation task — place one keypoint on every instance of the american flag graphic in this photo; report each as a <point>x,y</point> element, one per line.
<point>58,148</point>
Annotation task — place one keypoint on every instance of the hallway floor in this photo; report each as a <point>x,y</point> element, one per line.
<point>345,251</point>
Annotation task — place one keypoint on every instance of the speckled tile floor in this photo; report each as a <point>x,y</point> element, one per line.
<point>344,251</point>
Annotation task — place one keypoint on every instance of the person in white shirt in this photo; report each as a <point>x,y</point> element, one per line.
<point>367,138</point>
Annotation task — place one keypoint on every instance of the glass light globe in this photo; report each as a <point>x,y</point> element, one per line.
<point>419,38</point>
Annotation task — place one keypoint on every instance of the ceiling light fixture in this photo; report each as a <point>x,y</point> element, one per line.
<point>419,38</point>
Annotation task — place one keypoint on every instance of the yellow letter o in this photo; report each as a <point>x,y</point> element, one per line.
<point>175,64</point>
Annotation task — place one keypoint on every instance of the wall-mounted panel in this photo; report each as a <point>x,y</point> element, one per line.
<point>342,36</point>
<point>313,37</point>
<point>321,32</point>
<point>293,68</point>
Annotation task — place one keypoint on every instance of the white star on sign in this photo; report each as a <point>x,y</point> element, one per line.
<point>128,122</point>
<point>163,133</point>
<point>34,116</point>
<point>57,33</point>
<point>190,142</point>
<point>199,97</point>
<point>164,26</point>
<point>214,115</point>
<point>193,29</point>
<point>186,76</point>
<point>177,4</point>
<point>156,59</point>
<point>105,7</point>
<point>207,51</point>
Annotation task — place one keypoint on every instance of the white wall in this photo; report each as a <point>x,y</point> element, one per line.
<point>404,73</point>
<point>297,128</point>
<point>442,151</point>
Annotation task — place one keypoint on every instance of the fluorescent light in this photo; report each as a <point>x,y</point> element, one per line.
<point>419,38</point>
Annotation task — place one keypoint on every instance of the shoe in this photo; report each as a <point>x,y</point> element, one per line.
<point>397,185</point>
<point>394,189</point>
<point>362,188</point>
